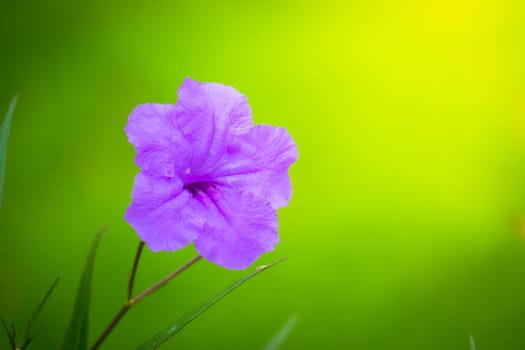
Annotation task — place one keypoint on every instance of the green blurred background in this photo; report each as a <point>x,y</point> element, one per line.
<point>405,227</point>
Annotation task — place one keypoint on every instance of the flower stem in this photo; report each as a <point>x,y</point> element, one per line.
<point>134,269</point>
<point>132,301</point>
<point>165,280</point>
<point>111,325</point>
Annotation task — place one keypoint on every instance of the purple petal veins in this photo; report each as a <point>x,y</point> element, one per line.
<point>208,175</point>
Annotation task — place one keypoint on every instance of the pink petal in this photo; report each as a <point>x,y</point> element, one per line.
<point>209,115</point>
<point>160,147</point>
<point>239,227</point>
<point>258,162</point>
<point>164,215</point>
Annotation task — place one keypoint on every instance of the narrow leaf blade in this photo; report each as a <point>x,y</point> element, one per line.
<point>76,337</point>
<point>28,334</point>
<point>276,342</point>
<point>11,334</point>
<point>4,137</point>
<point>472,343</point>
<point>163,336</point>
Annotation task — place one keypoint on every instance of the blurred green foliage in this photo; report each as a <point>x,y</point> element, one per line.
<point>5,127</point>
<point>405,228</point>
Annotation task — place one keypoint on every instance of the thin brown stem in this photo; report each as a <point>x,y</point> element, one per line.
<point>132,301</point>
<point>111,325</point>
<point>165,280</point>
<point>134,269</point>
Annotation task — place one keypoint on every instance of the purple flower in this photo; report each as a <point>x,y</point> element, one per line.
<point>208,175</point>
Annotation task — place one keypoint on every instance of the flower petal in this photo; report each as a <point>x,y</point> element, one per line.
<point>274,186</point>
<point>239,227</point>
<point>164,215</point>
<point>161,148</point>
<point>208,114</point>
<point>259,162</point>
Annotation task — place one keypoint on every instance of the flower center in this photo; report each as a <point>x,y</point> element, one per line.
<point>196,187</point>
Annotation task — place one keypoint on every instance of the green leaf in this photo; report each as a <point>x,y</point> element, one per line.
<point>160,338</point>
<point>28,334</point>
<point>76,337</point>
<point>4,137</point>
<point>11,334</point>
<point>276,342</point>
<point>472,343</point>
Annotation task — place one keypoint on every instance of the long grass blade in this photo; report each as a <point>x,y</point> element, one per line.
<point>4,137</point>
<point>28,333</point>
<point>76,337</point>
<point>472,343</point>
<point>276,342</point>
<point>163,336</point>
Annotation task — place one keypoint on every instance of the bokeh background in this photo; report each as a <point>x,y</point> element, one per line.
<point>405,230</point>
